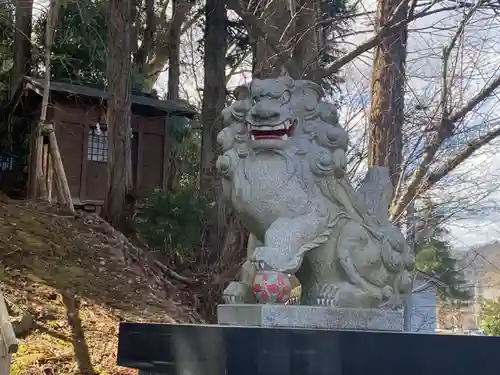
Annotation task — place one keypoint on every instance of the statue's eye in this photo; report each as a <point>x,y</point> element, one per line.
<point>285,98</point>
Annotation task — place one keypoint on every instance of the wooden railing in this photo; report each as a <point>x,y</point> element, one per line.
<point>8,340</point>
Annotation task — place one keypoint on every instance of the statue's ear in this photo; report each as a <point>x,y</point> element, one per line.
<point>287,81</point>
<point>242,92</point>
<point>311,86</point>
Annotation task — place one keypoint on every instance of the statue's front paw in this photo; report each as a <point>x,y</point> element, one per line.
<point>238,293</point>
<point>268,258</point>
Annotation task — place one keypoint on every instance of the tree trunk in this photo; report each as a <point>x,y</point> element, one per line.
<point>118,203</point>
<point>159,49</point>
<point>276,15</point>
<point>174,37</point>
<point>290,25</point>
<point>22,43</point>
<point>387,104</point>
<point>307,39</point>
<point>223,224</point>
<point>174,74</point>
<point>214,91</point>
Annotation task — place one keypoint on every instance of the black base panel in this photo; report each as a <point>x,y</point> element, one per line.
<point>227,350</point>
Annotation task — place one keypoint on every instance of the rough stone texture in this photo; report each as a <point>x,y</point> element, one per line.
<point>283,170</point>
<point>321,317</point>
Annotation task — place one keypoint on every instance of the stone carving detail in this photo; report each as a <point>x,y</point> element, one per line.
<point>283,169</point>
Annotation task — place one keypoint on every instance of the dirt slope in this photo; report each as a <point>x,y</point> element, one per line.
<point>62,276</point>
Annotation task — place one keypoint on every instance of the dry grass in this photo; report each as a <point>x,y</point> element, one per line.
<point>45,255</point>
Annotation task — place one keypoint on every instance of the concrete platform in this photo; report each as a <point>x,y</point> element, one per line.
<point>316,317</point>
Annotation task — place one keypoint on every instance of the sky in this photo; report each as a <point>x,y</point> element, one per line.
<point>476,183</point>
<point>477,61</point>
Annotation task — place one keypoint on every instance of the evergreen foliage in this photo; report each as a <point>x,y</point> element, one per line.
<point>434,256</point>
<point>490,317</point>
<point>79,47</point>
<point>171,223</point>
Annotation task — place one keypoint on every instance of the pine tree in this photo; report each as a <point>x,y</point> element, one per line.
<point>434,255</point>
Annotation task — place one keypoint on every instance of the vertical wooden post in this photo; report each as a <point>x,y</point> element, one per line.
<point>85,161</point>
<point>32,173</point>
<point>37,187</point>
<point>60,175</point>
<point>50,174</point>
<point>60,197</point>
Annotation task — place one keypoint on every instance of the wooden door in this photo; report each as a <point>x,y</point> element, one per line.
<point>70,137</point>
<point>152,162</point>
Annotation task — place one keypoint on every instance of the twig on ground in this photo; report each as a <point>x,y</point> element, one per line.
<point>173,274</point>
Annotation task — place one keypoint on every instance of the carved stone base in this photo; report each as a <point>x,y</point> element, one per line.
<point>320,317</point>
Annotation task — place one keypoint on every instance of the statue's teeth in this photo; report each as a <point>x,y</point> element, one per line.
<point>284,137</point>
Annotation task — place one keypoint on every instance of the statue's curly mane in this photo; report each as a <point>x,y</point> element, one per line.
<point>318,147</point>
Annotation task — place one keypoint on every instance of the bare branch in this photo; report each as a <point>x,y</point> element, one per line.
<point>448,166</point>
<point>259,29</point>
<point>335,66</point>
<point>446,57</point>
<point>419,183</point>
<point>471,104</point>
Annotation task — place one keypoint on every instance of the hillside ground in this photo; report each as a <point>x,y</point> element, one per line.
<point>68,281</point>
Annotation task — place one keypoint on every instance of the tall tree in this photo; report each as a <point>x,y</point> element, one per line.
<point>22,42</point>
<point>289,22</point>
<point>214,100</point>
<point>119,72</point>
<point>81,47</point>
<point>388,90</point>
<point>297,38</point>
<point>174,74</point>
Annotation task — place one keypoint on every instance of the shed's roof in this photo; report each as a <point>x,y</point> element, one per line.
<point>167,106</point>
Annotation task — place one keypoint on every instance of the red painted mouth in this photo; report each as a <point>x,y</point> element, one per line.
<point>282,131</point>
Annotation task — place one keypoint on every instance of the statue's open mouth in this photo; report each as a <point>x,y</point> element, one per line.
<point>281,131</point>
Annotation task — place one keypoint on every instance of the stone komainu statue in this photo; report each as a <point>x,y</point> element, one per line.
<point>283,169</point>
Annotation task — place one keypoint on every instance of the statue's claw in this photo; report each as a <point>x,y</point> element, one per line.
<point>237,293</point>
<point>268,258</point>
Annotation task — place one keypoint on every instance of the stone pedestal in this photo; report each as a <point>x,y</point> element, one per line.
<point>318,317</point>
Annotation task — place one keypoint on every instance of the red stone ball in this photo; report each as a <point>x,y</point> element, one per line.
<point>271,287</point>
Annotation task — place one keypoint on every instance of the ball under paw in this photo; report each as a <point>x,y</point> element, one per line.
<point>271,287</point>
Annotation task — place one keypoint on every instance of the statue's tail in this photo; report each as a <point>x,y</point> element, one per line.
<point>375,194</point>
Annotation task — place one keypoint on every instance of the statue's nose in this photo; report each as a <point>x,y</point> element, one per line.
<point>263,110</point>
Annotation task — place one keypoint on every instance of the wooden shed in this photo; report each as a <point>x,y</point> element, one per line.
<point>78,114</point>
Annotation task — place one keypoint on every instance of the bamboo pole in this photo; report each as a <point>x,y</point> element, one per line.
<point>50,174</point>
<point>55,155</point>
